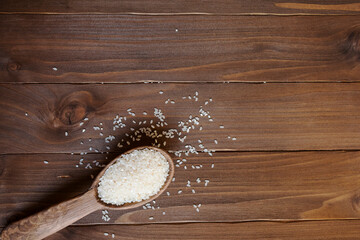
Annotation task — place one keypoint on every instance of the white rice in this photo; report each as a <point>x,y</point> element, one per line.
<point>134,177</point>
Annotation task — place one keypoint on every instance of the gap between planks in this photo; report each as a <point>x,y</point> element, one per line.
<point>218,151</point>
<point>306,230</point>
<point>181,14</point>
<point>183,82</point>
<point>285,221</point>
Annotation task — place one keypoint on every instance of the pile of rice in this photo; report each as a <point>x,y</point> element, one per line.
<point>134,177</point>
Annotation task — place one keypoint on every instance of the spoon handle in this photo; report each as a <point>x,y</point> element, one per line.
<point>55,218</point>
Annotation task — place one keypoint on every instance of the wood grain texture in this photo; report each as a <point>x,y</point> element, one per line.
<point>184,6</point>
<point>242,187</point>
<point>325,230</point>
<point>59,216</point>
<point>53,219</point>
<point>50,118</point>
<point>28,185</point>
<point>56,129</point>
<point>116,48</point>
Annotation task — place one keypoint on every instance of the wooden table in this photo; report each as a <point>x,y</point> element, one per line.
<point>279,79</point>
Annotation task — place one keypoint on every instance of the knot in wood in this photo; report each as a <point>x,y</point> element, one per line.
<point>73,108</point>
<point>73,113</point>
<point>351,45</point>
<point>12,66</point>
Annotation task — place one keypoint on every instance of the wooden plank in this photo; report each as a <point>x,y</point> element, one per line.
<point>326,230</point>
<point>117,48</point>
<point>50,118</point>
<point>184,6</point>
<point>31,183</point>
<point>241,187</point>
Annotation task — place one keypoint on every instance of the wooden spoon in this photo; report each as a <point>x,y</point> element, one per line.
<point>57,217</point>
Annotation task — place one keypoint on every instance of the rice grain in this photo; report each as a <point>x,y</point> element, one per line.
<point>134,177</point>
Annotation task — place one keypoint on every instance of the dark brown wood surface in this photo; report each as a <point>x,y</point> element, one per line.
<point>245,186</point>
<point>122,48</point>
<point>301,116</point>
<point>285,129</point>
<point>259,7</point>
<point>324,230</point>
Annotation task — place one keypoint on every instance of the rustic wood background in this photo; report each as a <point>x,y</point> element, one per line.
<point>284,77</point>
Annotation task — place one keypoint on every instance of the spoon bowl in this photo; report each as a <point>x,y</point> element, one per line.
<point>135,204</point>
<point>57,217</point>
